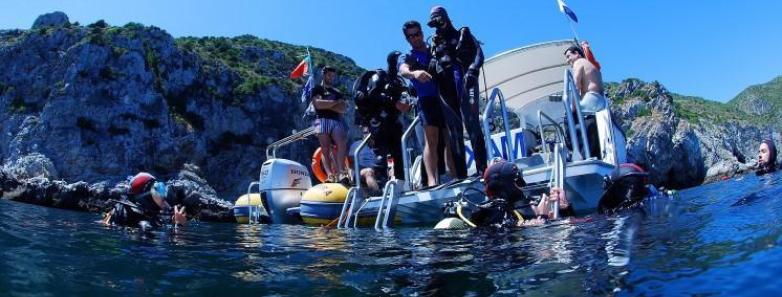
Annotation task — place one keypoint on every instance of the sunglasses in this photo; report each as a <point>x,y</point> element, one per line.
<point>416,34</point>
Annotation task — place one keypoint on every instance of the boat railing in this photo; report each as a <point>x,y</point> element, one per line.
<point>271,149</point>
<point>560,133</point>
<point>571,100</point>
<point>406,152</point>
<point>488,113</point>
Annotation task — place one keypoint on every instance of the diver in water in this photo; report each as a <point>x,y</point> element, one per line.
<point>146,205</point>
<point>626,187</point>
<point>380,97</point>
<point>767,157</point>
<point>456,66</point>
<point>507,205</point>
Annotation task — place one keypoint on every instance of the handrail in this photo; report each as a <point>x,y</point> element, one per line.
<point>252,216</point>
<point>406,152</point>
<point>271,149</point>
<point>560,132</point>
<point>351,194</point>
<point>568,96</point>
<point>488,112</point>
<point>558,175</point>
<point>388,190</point>
<point>356,167</point>
<point>354,190</point>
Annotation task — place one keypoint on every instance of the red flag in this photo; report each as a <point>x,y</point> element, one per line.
<point>589,55</point>
<point>301,69</point>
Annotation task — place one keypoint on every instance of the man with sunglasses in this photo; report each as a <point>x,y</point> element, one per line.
<point>145,206</point>
<point>416,68</point>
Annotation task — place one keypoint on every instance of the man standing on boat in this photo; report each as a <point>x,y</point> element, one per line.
<point>379,97</point>
<point>458,60</point>
<point>589,82</point>
<point>330,125</point>
<point>416,68</point>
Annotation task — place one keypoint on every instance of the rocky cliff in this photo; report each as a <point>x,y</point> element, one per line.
<point>684,141</point>
<point>98,103</point>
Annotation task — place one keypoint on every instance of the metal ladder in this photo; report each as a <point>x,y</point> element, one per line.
<point>384,212</point>
<point>350,200</point>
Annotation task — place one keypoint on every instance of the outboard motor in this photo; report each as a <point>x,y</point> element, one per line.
<point>282,184</point>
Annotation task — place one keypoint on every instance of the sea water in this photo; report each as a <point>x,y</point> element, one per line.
<point>718,239</point>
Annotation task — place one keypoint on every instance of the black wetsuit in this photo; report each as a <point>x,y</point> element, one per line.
<point>130,214</point>
<point>456,65</point>
<point>377,111</point>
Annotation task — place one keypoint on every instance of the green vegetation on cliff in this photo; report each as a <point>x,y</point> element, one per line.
<point>262,62</point>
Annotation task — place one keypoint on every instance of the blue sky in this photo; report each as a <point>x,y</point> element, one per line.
<point>712,49</point>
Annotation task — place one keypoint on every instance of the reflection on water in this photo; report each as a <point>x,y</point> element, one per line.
<point>720,238</point>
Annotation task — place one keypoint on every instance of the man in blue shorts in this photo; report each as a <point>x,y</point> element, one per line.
<point>414,68</point>
<point>330,125</point>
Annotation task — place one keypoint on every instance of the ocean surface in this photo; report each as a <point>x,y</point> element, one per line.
<point>721,239</point>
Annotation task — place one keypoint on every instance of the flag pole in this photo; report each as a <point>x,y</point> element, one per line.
<point>309,62</point>
<point>572,28</point>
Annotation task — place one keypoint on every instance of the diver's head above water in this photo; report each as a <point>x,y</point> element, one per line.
<point>148,193</point>
<point>504,180</point>
<point>767,156</point>
<point>625,186</point>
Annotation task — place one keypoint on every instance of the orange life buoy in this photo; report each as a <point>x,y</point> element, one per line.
<point>317,165</point>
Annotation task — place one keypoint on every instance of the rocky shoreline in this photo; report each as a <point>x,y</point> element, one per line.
<point>186,189</point>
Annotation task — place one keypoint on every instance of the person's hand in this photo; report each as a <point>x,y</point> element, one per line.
<point>558,195</point>
<point>422,76</point>
<point>107,217</point>
<point>179,217</point>
<point>401,106</point>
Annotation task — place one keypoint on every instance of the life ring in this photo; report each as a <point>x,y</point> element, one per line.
<point>317,165</point>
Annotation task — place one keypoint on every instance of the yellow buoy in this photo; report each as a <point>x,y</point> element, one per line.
<point>322,203</point>
<point>246,205</point>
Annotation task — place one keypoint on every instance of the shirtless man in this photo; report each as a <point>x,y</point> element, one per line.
<point>588,80</point>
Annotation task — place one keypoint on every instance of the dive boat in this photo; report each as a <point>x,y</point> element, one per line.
<point>544,132</point>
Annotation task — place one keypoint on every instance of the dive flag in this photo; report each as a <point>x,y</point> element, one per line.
<point>566,10</point>
<point>301,69</point>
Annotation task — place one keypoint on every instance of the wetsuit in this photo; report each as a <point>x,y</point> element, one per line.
<point>376,110</point>
<point>130,214</point>
<point>458,58</point>
<point>497,213</point>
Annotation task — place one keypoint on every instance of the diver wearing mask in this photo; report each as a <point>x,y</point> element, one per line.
<point>146,206</point>
<point>456,65</point>
<point>625,187</point>
<point>380,96</point>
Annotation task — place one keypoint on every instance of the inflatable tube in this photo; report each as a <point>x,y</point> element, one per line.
<point>247,204</point>
<point>317,165</point>
<point>322,203</point>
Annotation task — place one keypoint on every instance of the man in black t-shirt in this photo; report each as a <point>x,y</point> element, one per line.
<point>330,125</point>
